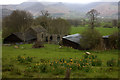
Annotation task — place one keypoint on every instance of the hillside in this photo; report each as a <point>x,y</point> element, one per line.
<point>67,10</point>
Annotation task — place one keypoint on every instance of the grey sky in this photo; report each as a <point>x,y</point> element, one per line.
<point>70,1</point>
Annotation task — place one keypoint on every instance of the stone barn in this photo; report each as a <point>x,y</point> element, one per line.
<point>50,38</point>
<point>44,36</point>
<point>18,37</point>
<point>36,30</point>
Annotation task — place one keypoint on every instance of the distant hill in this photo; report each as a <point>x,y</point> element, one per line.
<point>66,10</point>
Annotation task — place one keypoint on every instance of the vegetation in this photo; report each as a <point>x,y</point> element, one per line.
<point>51,62</point>
<point>53,25</point>
<point>92,15</point>
<point>103,31</point>
<point>18,21</point>
<point>113,41</point>
<point>90,39</point>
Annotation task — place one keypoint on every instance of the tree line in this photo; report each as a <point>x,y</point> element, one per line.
<point>20,21</point>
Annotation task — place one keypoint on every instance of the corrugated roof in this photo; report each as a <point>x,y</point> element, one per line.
<point>74,38</point>
<point>107,36</point>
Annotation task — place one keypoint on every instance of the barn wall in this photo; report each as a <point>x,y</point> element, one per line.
<point>12,39</point>
<point>70,44</point>
<point>50,38</point>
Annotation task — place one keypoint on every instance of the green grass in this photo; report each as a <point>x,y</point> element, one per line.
<point>103,31</point>
<point>52,52</point>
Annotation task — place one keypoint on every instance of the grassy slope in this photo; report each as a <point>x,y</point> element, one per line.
<point>52,52</point>
<point>103,31</point>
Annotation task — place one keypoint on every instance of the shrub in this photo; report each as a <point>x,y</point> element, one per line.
<point>113,41</point>
<point>90,39</point>
<point>111,63</point>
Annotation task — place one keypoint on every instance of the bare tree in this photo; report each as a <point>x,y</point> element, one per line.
<point>92,15</point>
<point>45,13</point>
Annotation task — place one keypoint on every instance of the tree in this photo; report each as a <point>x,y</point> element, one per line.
<point>92,15</point>
<point>90,38</point>
<point>114,22</point>
<point>52,25</point>
<point>18,21</point>
<point>114,40</point>
<point>44,20</point>
<point>60,26</point>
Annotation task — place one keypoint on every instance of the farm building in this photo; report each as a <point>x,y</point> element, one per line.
<point>30,35</point>
<point>50,38</point>
<point>19,37</point>
<point>74,41</point>
<point>36,33</point>
<point>106,41</point>
<point>36,29</point>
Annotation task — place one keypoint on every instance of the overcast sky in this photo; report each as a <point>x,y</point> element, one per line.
<point>70,1</point>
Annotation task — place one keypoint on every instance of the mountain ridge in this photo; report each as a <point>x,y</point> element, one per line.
<point>67,10</point>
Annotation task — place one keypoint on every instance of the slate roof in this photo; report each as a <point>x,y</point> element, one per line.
<point>28,36</point>
<point>39,29</point>
<point>74,38</point>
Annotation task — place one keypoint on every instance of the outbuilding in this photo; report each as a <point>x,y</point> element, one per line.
<point>72,41</point>
<point>19,37</point>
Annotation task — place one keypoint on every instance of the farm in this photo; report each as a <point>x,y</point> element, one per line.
<point>52,61</point>
<point>46,46</point>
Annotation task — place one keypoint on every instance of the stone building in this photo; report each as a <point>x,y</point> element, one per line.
<point>50,38</point>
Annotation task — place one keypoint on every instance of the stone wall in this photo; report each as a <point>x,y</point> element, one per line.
<point>50,38</point>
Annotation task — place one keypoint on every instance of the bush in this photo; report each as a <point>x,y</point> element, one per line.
<point>111,63</point>
<point>113,41</point>
<point>90,39</point>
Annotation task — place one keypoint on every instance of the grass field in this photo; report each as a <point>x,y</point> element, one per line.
<point>103,31</point>
<point>50,53</point>
<point>23,62</point>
